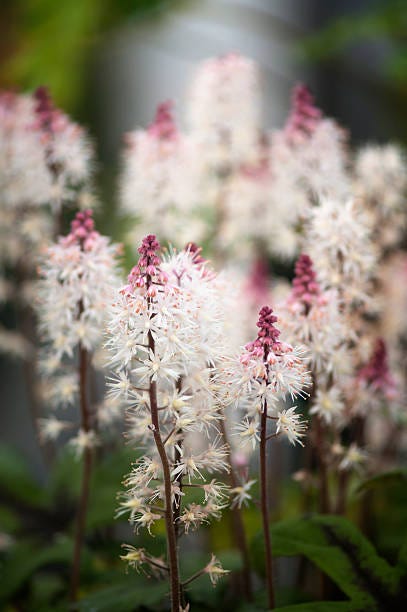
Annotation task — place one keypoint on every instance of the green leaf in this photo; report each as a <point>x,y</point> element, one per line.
<point>338,548</point>
<point>17,484</point>
<point>25,559</point>
<point>391,478</point>
<point>126,596</point>
<point>320,606</point>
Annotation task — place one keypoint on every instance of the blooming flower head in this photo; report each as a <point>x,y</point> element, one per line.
<point>308,160</point>
<point>223,109</point>
<point>339,241</point>
<point>78,276</point>
<point>67,151</point>
<point>241,495</point>
<point>380,180</point>
<point>159,181</point>
<point>276,364</point>
<point>164,338</point>
<point>290,423</point>
<point>354,458</point>
<point>329,404</point>
<point>266,371</point>
<point>215,570</point>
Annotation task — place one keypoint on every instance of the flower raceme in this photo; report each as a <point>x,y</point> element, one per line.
<point>164,337</point>
<point>78,275</point>
<point>266,372</point>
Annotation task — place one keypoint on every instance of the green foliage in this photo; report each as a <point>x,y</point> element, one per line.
<point>17,486</point>
<point>27,558</point>
<point>126,596</point>
<point>319,606</point>
<point>383,21</point>
<point>385,495</point>
<point>55,40</point>
<point>393,477</point>
<point>340,550</point>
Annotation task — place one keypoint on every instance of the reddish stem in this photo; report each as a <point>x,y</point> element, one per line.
<point>86,475</point>
<point>238,525</point>
<point>169,523</point>
<point>264,507</point>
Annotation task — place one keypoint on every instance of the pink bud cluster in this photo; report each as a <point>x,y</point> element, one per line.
<point>148,266</point>
<point>376,373</point>
<point>48,117</point>
<point>304,116</point>
<point>267,338</point>
<point>82,231</point>
<point>305,286</point>
<point>163,127</point>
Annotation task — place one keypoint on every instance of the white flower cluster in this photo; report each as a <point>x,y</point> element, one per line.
<point>24,177</point>
<point>223,111</point>
<point>308,161</point>
<point>312,316</point>
<point>67,154</point>
<point>266,373</point>
<point>164,338</point>
<point>338,240</point>
<point>78,277</point>
<point>380,180</point>
<point>159,182</point>
<point>45,163</point>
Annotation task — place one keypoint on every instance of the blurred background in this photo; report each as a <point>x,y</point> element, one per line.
<point>109,63</point>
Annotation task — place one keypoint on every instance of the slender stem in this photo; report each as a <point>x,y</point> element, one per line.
<point>193,577</point>
<point>159,566</point>
<point>238,525</point>
<point>176,507</point>
<point>319,439</point>
<point>170,527</point>
<point>264,506</point>
<point>86,475</point>
<point>324,502</point>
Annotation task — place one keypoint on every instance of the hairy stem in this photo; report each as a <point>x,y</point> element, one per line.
<point>238,525</point>
<point>86,475</point>
<point>264,507</point>
<point>169,522</point>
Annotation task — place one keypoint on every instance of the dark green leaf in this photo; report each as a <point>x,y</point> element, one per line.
<point>337,547</point>
<point>24,559</point>
<point>126,596</point>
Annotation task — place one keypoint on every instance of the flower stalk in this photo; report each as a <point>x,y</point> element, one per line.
<point>86,474</point>
<point>264,506</point>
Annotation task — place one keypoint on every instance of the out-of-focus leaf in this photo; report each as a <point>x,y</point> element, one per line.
<point>320,606</point>
<point>17,484</point>
<point>393,477</point>
<point>387,20</point>
<point>126,597</point>
<point>106,483</point>
<point>65,479</point>
<point>45,593</point>
<point>337,547</point>
<point>25,559</point>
